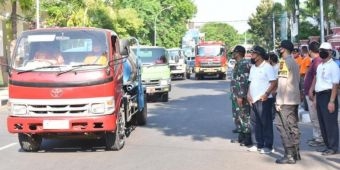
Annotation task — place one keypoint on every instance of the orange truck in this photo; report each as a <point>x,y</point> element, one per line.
<point>210,60</point>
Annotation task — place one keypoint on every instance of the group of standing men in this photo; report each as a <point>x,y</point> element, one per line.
<point>265,91</point>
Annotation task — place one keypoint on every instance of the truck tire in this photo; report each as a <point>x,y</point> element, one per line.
<point>30,143</point>
<point>165,97</point>
<point>116,140</point>
<point>223,76</point>
<point>141,116</point>
<point>188,75</point>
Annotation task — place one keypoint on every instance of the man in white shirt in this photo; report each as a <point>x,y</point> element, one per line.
<point>262,82</point>
<point>325,85</point>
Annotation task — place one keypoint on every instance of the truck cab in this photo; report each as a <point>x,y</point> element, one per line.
<point>177,63</point>
<point>68,82</point>
<point>211,59</point>
<point>155,73</point>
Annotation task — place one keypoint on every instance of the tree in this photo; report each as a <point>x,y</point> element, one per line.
<point>221,32</point>
<point>25,6</point>
<point>261,24</point>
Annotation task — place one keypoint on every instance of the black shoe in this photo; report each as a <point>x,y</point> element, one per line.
<point>328,152</point>
<point>234,141</point>
<point>287,159</point>
<point>321,150</point>
<point>236,131</point>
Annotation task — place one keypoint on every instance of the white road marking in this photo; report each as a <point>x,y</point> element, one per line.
<point>7,146</point>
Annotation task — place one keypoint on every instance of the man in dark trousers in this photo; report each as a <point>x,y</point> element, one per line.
<point>239,88</point>
<point>287,102</point>
<point>325,85</point>
<point>262,79</point>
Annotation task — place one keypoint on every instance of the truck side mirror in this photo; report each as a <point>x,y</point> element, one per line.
<point>124,47</point>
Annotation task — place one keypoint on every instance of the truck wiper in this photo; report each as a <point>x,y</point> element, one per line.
<point>74,67</point>
<point>37,68</point>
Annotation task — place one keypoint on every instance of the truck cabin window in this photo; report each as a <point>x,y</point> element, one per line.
<point>209,51</point>
<point>67,48</point>
<point>152,55</point>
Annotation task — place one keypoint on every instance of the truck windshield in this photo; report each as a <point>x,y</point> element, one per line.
<point>152,55</point>
<point>175,54</point>
<point>209,51</point>
<point>64,48</point>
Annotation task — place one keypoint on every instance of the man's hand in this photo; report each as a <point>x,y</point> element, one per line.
<point>264,97</point>
<point>331,107</point>
<point>250,100</point>
<point>278,107</point>
<point>239,101</point>
<point>310,95</point>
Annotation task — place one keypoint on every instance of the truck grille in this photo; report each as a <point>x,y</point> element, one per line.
<point>64,110</point>
<point>150,82</point>
<point>210,64</point>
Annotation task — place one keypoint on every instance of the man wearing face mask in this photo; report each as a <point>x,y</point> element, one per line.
<point>239,87</point>
<point>262,79</point>
<point>287,102</point>
<point>325,85</point>
<point>316,140</point>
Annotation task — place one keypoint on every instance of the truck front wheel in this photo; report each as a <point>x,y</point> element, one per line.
<point>165,97</point>
<point>142,115</point>
<point>30,142</point>
<point>116,140</point>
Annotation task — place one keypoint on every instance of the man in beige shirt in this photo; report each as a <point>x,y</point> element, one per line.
<point>287,102</point>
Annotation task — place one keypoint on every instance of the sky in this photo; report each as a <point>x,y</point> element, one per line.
<point>232,12</point>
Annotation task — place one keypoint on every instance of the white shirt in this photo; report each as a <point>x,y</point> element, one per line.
<point>327,74</point>
<point>276,69</point>
<point>260,77</point>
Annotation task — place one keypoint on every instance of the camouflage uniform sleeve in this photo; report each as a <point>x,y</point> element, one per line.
<point>243,82</point>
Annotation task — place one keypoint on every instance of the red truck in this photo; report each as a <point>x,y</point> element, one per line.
<point>211,59</point>
<point>68,82</point>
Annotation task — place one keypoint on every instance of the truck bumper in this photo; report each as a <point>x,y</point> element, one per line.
<point>212,70</point>
<point>36,125</point>
<point>157,89</point>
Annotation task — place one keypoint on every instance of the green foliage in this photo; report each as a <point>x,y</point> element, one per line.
<point>221,32</point>
<point>307,29</point>
<point>261,24</point>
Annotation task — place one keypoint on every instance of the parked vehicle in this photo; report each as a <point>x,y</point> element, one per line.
<point>156,78</point>
<point>211,59</point>
<point>77,87</point>
<point>177,63</point>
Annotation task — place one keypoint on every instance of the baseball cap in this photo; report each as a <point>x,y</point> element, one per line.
<point>295,50</point>
<point>240,49</point>
<point>259,50</point>
<point>286,44</point>
<point>326,46</point>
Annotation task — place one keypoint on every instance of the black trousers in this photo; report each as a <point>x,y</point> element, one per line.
<point>328,121</point>
<point>286,122</point>
<point>261,120</point>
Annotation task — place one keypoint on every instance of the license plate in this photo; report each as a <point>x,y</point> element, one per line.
<point>56,124</point>
<point>150,90</point>
<point>209,70</point>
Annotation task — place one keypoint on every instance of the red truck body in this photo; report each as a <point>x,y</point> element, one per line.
<point>211,59</point>
<point>70,98</point>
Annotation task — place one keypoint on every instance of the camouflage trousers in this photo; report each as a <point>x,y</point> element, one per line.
<point>241,115</point>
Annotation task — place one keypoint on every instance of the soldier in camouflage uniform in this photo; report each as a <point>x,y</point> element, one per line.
<point>239,88</point>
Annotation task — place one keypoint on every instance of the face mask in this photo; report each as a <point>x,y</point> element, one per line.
<point>323,54</point>
<point>252,61</point>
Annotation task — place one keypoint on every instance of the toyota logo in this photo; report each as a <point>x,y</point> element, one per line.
<point>56,93</point>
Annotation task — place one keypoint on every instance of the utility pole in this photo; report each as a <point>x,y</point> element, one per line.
<point>322,27</point>
<point>37,13</point>
<point>274,32</point>
<point>155,24</point>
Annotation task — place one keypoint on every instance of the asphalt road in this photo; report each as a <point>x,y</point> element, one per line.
<point>190,132</point>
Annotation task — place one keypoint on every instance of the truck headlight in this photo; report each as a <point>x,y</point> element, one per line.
<point>98,108</point>
<point>106,107</point>
<point>18,109</point>
<point>164,82</point>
